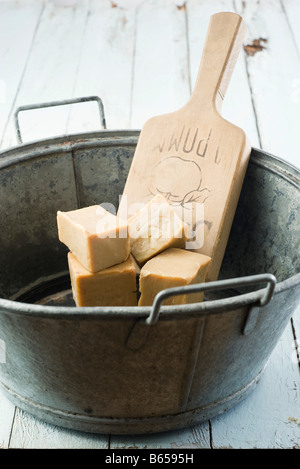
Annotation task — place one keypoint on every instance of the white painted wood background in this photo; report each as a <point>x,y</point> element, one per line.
<point>141,57</point>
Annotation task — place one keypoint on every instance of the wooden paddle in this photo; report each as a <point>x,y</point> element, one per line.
<point>193,156</point>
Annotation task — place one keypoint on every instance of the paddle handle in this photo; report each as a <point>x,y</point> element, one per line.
<point>223,42</point>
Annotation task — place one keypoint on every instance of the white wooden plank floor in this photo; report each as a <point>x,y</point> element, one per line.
<point>141,57</point>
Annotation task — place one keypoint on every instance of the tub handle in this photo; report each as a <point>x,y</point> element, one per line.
<point>266,294</point>
<point>138,334</point>
<point>58,103</point>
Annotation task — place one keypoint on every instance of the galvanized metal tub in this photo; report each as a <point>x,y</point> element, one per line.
<point>136,369</point>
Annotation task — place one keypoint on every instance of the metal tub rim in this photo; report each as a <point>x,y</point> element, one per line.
<point>76,141</point>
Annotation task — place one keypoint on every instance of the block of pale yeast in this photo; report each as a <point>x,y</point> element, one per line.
<point>173,268</point>
<point>114,286</point>
<point>154,228</point>
<point>96,237</point>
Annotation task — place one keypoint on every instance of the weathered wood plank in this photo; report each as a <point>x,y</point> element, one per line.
<point>160,79</point>
<point>105,67</point>
<point>7,412</point>
<point>292,11</point>
<point>194,437</point>
<point>31,433</point>
<point>270,416</point>
<point>18,22</point>
<point>274,67</point>
<point>50,72</point>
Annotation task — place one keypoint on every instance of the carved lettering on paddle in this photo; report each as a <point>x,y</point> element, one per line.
<point>187,140</point>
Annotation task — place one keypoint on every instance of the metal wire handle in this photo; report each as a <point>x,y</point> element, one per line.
<point>64,102</point>
<point>209,286</point>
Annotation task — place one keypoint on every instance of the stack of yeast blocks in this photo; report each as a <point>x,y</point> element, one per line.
<point>108,255</point>
<point>102,270</point>
<point>157,239</point>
